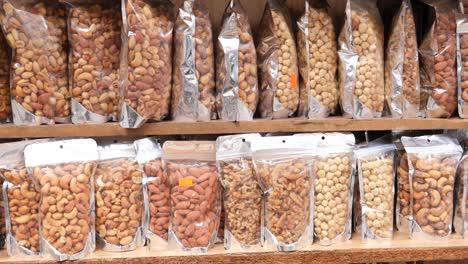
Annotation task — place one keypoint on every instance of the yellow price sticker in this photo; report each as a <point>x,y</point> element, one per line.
<point>186,182</point>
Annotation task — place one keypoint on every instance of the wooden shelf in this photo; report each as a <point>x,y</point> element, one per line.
<point>353,251</point>
<point>222,127</point>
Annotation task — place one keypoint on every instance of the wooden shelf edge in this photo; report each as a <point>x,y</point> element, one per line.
<point>223,127</point>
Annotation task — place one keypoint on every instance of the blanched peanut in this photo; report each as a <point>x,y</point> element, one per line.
<point>39,72</point>
<point>332,194</point>
<point>149,69</point>
<point>196,203</point>
<point>23,208</point>
<point>318,64</point>
<point>159,198</point>
<point>65,207</point>
<point>377,176</point>
<point>95,56</point>
<point>5,102</point>
<point>432,193</point>
<point>242,200</point>
<point>119,201</point>
<point>287,206</point>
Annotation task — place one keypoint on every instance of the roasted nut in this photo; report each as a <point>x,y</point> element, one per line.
<point>332,194</point>
<point>159,198</point>
<point>464,66</point>
<point>279,93</point>
<point>95,56</point>
<point>318,64</point>
<point>148,73</point>
<point>367,33</point>
<point>402,91</point>
<point>65,207</point>
<point>463,173</point>
<point>23,208</point>
<point>287,205</point>
<point>5,102</point>
<point>432,194</point>
<point>2,220</point>
<point>403,198</point>
<point>203,61</point>
<point>377,177</point>
<point>196,203</point>
<point>39,67</point>
<point>119,201</point>
<point>246,79</point>
<point>242,200</point>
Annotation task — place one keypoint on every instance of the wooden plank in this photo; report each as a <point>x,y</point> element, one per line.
<point>222,127</point>
<point>353,251</point>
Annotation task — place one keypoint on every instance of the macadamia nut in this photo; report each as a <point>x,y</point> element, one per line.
<point>318,58</point>
<point>94,32</point>
<point>332,213</point>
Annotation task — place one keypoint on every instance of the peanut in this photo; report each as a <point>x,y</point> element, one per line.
<point>39,67</point>
<point>5,102</point>
<point>65,207</point>
<point>119,201</point>
<point>403,198</point>
<point>95,56</point>
<point>196,203</point>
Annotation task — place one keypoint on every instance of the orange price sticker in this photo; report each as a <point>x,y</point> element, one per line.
<point>186,182</point>
<point>293,81</point>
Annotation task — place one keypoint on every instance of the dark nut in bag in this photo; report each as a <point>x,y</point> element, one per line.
<point>5,101</point>
<point>36,32</point>
<point>146,68</point>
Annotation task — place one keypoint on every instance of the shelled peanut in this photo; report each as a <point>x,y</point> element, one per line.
<point>242,200</point>
<point>196,203</point>
<point>432,194</point>
<point>23,208</point>
<point>159,198</point>
<point>367,32</point>
<point>377,175</point>
<point>65,207</point>
<point>119,201</point>
<point>5,102</point>
<point>287,206</point>
<point>148,87</point>
<point>332,194</point>
<point>39,72</point>
<point>318,60</point>
<point>404,196</point>
<point>95,57</point>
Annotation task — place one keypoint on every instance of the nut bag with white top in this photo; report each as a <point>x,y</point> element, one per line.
<point>242,193</point>
<point>237,93</point>
<point>277,62</point>
<point>63,172</point>
<point>284,171</point>
<point>120,208</point>
<point>361,54</point>
<point>318,62</point>
<point>433,162</point>
<point>157,192</point>
<point>195,194</point>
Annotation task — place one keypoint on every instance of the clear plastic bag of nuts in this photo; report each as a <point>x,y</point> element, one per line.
<point>194,72</point>
<point>63,172</point>
<point>462,65</point>
<point>120,208</point>
<point>237,82</point>
<point>157,192</point>
<point>375,165</point>
<point>5,101</point>
<point>361,70</point>
<point>242,196</point>
<point>284,171</point>
<point>460,220</point>
<point>94,29</point>
<point>146,62</point>
<point>318,62</point>
<point>195,194</point>
<point>433,161</point>
<point>334,167</point>
<point>438,62</point>
<point>278,63</point>
<point>402,81</point>
<point>21,201</point>
<point>36,32</point>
